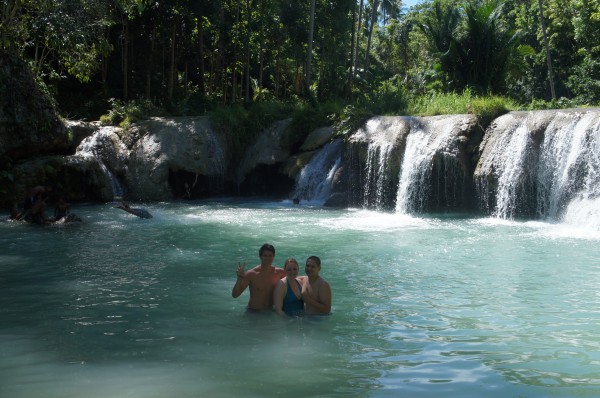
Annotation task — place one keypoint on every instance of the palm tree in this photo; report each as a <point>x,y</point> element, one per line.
<point>311,29</point>
<point>439,24</point>
<point>474,45</point>
<point>488,49</point>
<point>390,9</point>
<point>546,45</point>
<point>371,28</point>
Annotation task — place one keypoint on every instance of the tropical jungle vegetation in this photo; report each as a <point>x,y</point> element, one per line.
<point>259,60</point>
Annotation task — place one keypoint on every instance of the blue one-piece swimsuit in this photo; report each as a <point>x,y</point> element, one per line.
<point>292,305</point>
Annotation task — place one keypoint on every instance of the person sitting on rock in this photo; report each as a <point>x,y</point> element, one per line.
<point>34,207</point>
<point>62,212</point>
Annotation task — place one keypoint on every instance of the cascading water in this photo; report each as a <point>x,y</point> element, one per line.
<point>115,185</point>
<point>516,159</point>
<point>217,164</point>
<point>378,155</point>
<point>430,145</point>
<point>103,147</point>
<point>569,171</point>
<point>544,164</point>
<point>375,160</point>
<point>313,183</point>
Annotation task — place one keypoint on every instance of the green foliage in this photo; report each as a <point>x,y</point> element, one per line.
<point>487,109</point>
<point>308,117</point>
<point>196,104</point>
<point>241,125</point>
<point>389,98</point>
<point>559,103</point>
<point>350,119</point>
<point>124,113</point>
<point>585,81</point>
<point>440,103</point>
<point>195,55</point>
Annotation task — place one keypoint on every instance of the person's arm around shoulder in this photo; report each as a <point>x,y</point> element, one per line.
<point>242,281</point>
<point>322,304</point>
<point>278,296</point>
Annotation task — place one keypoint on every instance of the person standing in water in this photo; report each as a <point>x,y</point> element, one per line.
<point>261,280</point>
<point>288,292</point>
<point>316,291</point>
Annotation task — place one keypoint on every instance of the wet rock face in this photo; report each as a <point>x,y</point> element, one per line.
<point>175,151</point>
<point>29,122</point>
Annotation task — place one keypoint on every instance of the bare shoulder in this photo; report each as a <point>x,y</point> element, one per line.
<point>253,271</point>
<point>322,283</point>
<point>278,270</point>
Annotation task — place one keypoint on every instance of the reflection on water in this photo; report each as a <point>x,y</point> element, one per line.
<point>436,306</point>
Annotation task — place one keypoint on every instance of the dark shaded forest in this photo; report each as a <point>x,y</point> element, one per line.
<point>187,57</point>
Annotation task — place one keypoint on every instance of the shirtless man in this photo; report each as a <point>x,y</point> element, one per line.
<point>261,279</point>
<point>316,291</point>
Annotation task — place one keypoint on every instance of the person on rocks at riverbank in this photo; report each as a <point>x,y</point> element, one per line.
<point>61,209</point>
<point>62,212</point>
<point>136,211</point>
<point>316,291</point>
<point>261,280</point>
<point>34,205</point>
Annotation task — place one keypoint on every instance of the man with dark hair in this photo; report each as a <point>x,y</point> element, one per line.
<point>316,291</point>
<point>261,279</point>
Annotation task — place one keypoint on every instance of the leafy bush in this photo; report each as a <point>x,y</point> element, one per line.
<point>585,81</point>
<point>487,109</point>
<point>440,103</point>
<point>309,117</point>
<point>389,98</point>
<point>125,113</point>
<point>350,119</point>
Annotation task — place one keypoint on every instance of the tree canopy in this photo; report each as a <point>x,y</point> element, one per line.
<point>190,54</point>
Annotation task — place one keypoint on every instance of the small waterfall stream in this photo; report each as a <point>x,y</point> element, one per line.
<point>313,183</point>
<point>217,163</point>
<point>412,183</point>
<point>115,184</point>
<point>430,164</point>
<point>104,149</point>
<point>378,155</point>
<point>569,172</point>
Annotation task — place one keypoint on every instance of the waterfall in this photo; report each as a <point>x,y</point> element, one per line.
<point>378,154</point>
<point>217,162</point>
<point>569,171</point>
<point>115,184</point>
<point>375,162</point>
<point>313,183</point>
<point>106,148</point>
<point>430,146</point>
<point>543,164</point>
<point>513,176</point>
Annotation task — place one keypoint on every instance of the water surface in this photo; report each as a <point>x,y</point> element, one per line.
<point>450,306</point>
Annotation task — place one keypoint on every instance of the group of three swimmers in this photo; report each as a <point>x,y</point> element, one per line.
<point>290,293</point>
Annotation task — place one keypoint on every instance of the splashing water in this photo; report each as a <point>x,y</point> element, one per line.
<point>314,180</point>
<point>422,144</point>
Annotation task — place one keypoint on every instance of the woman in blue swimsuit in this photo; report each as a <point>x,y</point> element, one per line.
<point>288,291</point>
